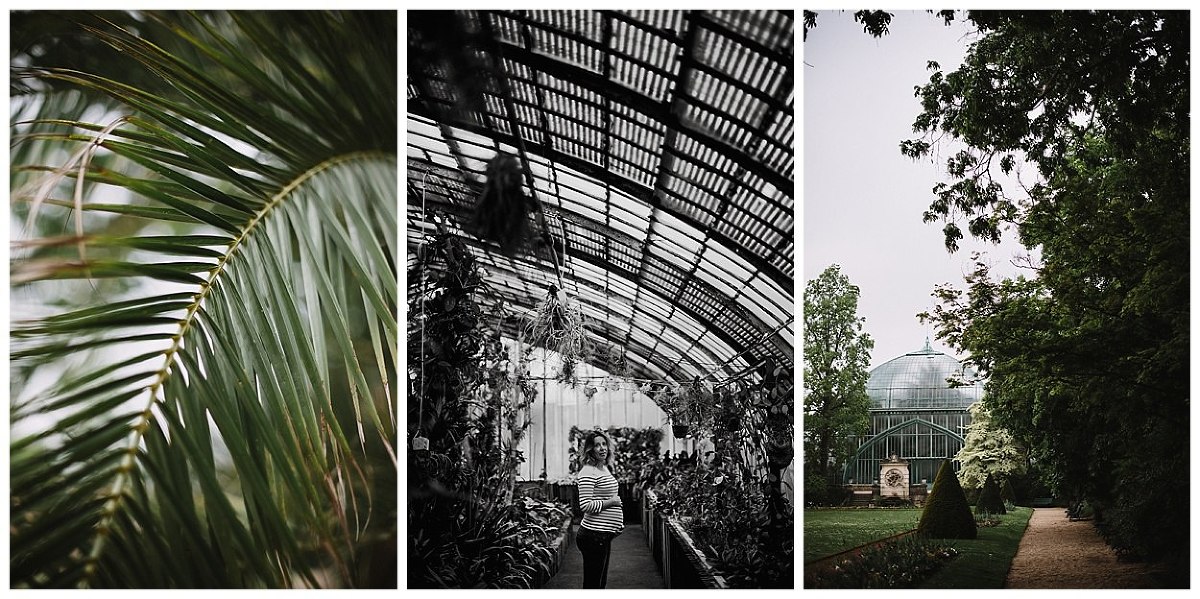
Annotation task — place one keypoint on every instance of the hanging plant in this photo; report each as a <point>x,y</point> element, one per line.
<point>690,404</point>
<point>501,213</point>
<point>558,326</point>
<point>612,383</point>
<point>612,357</point>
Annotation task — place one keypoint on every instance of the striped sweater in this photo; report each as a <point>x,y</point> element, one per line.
<point>596,485</point>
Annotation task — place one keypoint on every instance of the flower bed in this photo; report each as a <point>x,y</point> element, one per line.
<point>898,563</point>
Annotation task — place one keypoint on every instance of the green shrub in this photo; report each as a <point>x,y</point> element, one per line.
<point>971,495</point>
<point>824,492</point>
<point>1007,493</point>
<point>895,502</point>
<point>947,515</point>
<point>989,498</point>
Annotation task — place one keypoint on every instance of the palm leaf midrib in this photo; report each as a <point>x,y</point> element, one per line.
<point>128,464</point>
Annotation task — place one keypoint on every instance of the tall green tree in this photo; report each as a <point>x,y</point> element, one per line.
<point>1087,356</point>
<point>988,450</point>
<point>837,352</point>
<point>202,376</point>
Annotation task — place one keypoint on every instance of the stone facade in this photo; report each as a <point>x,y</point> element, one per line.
<point>893,478</point>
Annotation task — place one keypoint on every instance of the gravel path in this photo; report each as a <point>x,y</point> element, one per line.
<point>1058,554</point>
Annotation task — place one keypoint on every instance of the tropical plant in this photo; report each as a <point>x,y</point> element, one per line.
<point>559,326</point>
<point>733,505</point>
<point>469,403</point>
<point>218,325</point>
<point>735,522</point>
<point>688,404</point>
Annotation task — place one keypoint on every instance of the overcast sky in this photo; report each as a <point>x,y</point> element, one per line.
<point>863,200</point>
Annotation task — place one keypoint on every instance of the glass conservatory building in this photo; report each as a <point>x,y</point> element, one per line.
<point>916,415</point>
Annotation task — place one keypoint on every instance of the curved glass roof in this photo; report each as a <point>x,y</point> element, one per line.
<point>659,144</point>
<point>918,380</point>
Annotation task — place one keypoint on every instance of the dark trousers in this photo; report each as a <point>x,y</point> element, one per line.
<point>595,547</point>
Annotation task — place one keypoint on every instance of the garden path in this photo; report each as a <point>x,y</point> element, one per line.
<point>1056,553</point>
<point>630,566</point>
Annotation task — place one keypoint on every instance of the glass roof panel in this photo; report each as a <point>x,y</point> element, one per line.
<point>686,236</point>
<point>758,305</point>
<point>780,300</point>
<point>722,283</point>
<point>918,380</point>
<point>629,227</point>
<point>623,202</point>
<point>580,204</point>
<point>724,260</point>
<point>669,250</point>
<point>601,97</point>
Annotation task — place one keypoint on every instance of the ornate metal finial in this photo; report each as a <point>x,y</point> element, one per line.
<point>927,347</point>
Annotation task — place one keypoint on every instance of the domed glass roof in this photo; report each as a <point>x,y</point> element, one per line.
<point>918,380</point>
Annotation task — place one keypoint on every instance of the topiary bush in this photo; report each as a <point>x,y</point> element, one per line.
<point>989,498</point>
<point>1007,493</point>
<point>947,515</point>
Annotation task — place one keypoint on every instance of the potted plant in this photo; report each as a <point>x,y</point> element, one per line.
<point>679,430</point>
<point>689,406</point>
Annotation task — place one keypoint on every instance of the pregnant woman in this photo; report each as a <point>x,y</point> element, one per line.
<point>603,517</point>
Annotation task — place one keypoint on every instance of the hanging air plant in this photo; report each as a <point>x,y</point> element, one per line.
<point>501,214</point>
<point>612,383</point>
<point>558,326</point>
<point>691,404</point>
<point>613,358</point>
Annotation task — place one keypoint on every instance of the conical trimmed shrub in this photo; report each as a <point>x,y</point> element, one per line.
<point>947,515</point>
<point>989,499</point>
<point>1007,493</point>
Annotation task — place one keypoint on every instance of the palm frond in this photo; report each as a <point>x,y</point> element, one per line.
<point>224,330</point>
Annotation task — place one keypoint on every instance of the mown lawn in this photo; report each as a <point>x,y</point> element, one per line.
<point>984,562</point>
<point>831,531</point>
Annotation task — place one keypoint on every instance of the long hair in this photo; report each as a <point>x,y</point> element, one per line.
<point>589,445</point>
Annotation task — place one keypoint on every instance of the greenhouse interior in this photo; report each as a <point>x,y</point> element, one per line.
<point>600,312</point>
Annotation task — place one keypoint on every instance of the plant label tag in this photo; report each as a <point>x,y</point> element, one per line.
<point>420,443</point>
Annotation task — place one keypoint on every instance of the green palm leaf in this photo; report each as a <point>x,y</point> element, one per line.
<point>212,263</point>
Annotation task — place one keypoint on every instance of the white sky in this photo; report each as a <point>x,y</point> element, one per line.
<point>863,200</point>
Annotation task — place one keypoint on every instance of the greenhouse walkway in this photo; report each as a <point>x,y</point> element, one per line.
<point>631,565</point>
<point>1056,553</point>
